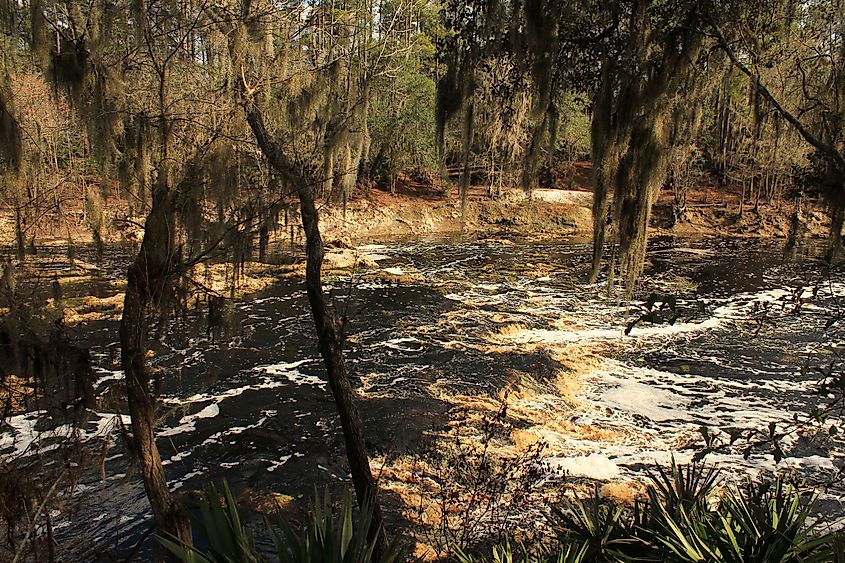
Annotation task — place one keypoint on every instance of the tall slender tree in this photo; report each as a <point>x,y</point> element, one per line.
<point>328,107</point>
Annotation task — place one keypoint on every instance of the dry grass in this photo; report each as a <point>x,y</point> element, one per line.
<point>92,308</point>
<point>623,492</point>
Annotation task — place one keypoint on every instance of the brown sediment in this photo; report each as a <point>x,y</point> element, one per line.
<point>15,391</point>
<point>508,330</point>
<point>579,359</point>
<point>252,277</point>
<point>530,419</point>
<point>265,501</point>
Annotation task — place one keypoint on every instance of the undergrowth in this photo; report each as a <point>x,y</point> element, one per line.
<point>683,517</point>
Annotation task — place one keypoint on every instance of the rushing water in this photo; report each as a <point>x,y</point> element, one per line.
<point>444,318</point>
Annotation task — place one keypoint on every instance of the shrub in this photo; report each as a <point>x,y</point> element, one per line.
<point>571,553</point>
<point>682,519</point>
<point>325,537</point>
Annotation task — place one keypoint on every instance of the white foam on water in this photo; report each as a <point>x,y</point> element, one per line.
<point>107,375</point>
<point>657,404</point>
<point>378,257</point>
<point>188,423</point>
<point>401,343</point>
<point>217,437</point>
<point>372,247</point>
<point>23,438</point>
<point>267,383</point>
<point>210,411</point>
<point>176,485</point>
<point>24,435</point>
<point>394,271</point>
<point>593,466</point>
<point>811,461</point>
<point>291,374</point>
<point>275,464</point>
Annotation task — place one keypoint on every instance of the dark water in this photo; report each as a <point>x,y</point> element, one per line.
<point>252,407</point>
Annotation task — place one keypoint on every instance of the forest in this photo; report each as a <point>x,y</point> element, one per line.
<point>422,280</point>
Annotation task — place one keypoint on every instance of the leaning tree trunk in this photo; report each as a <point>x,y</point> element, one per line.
<point>151,271</point>
<point>328,332</point>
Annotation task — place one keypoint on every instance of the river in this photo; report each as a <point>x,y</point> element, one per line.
<point>440,322</point>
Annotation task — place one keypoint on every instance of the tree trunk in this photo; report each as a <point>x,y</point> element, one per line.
<point>835,251</point>
<point>601,206</point>
<point>639,179</point>
<point>151,271</point>
<point>468,132</point>
<point>604,167</point>
<point>329,332</point>
<point>794,229</point>
<point>20,245</point>
<point>263,243</point>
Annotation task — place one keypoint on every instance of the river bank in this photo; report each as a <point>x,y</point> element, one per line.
<point>417,209</point>
<point>549,213</point>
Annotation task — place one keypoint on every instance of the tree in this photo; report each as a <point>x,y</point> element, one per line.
<point>811,38</point>
<point>140,85</point>
<point>503,64</point>
<point>637,111</point>
<point>324,83</point>
<point>11,158</point>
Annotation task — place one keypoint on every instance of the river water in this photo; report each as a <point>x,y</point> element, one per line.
<point>442,320</point>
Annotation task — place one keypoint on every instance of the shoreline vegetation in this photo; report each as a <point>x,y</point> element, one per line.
<point>416,209</point>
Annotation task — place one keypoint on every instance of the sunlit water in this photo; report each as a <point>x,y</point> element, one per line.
<point>253,407</point>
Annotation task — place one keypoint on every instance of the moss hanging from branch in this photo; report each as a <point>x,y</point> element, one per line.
<point>633,125</point>
<point>524,39</point>
<point>450,98</point>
